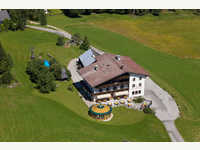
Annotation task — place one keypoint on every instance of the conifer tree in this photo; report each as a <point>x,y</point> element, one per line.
<point>85,45</point>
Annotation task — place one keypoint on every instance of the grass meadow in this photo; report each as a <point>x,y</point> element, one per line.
<point>27,115</point>
<point>166,46</point>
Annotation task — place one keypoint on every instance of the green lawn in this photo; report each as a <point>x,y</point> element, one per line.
<point>177,75</point>
<point>27,115</point>
<point>180,38</point>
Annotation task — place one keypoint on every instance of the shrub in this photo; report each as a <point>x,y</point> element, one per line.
<point>41,75</point>
<point>6,64</point>
<point>33,68</point>
<point>85,45</point>
<point>45,81</point>
<point>139,100</point>
<point>148,110</point>
<point>68,74</point>
<point>60,41</point>
<point>2,27</point>
<point>6,78</point>
<point>76,38</point>
<point>56,70</point>
<point>43,18</point>
<point>6,24</point>
<point>70,88</point>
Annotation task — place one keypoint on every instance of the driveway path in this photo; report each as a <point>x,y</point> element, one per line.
<point>76,78</point>
<point>60,32</point>
<point>165,108</point>
<point>163,104</point>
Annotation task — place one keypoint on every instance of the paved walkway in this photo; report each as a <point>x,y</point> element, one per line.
<point>163,104</point>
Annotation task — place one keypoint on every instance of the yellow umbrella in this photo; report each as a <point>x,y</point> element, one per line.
<point>116,103</point>
<point>129,100</point>
<point>109,104</point>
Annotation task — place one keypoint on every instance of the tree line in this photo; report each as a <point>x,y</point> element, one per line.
<point>18,18</point>
<point>6,63</point>
<point>137,12</point>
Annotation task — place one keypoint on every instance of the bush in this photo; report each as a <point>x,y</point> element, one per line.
<point>76,38</point>
<point>6,78</point>
<point>139,100</point>
<point>33,69</point>
<point>45,81</point>
<point>6,24</point>
<point>85,45</point>
<point>2,27</point>
<point>70,88</point>
<point>56,70</point>
<point>68,74</point>
<point>43,18</point>
<point>41,75</point>
<point>6,64</point>
<point>148,110</point>
<point>60,41</point>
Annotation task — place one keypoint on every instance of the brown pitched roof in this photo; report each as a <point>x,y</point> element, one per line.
<point>109,67</point>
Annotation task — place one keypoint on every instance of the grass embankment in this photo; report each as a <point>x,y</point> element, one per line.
<point>177,75</point>
<point>27,115</point>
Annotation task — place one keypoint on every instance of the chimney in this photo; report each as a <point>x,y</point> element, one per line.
<point>96,67</point>
<point>122,66</point>
<point>117,57</point>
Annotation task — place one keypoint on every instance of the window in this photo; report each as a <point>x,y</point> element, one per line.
<point>139,91</point>
<point>133,85</point>
<point>140,84</point>
<point>107,89</point>
<point>114,88</point>
<point>140,78</point>
<point>133,92</point>
<point>136,92</point>
<point>100,90</point>
<point>133,79</point>
<point>121,86</point>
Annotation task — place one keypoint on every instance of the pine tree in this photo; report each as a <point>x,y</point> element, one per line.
<point>85,45</point>
<point>2,52</point>
<point>6,64</point>
<point>43,18</point>
<point>45,81</point>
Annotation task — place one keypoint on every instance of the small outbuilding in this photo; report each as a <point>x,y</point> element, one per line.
<point>4,15</point>
<point>64,75</point>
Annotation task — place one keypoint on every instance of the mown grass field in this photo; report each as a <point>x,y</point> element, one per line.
<point>175,34</point>
<point>165,40</point>
<point>27,115</point>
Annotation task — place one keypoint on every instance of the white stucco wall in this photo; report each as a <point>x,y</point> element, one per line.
<point>136,83</point>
